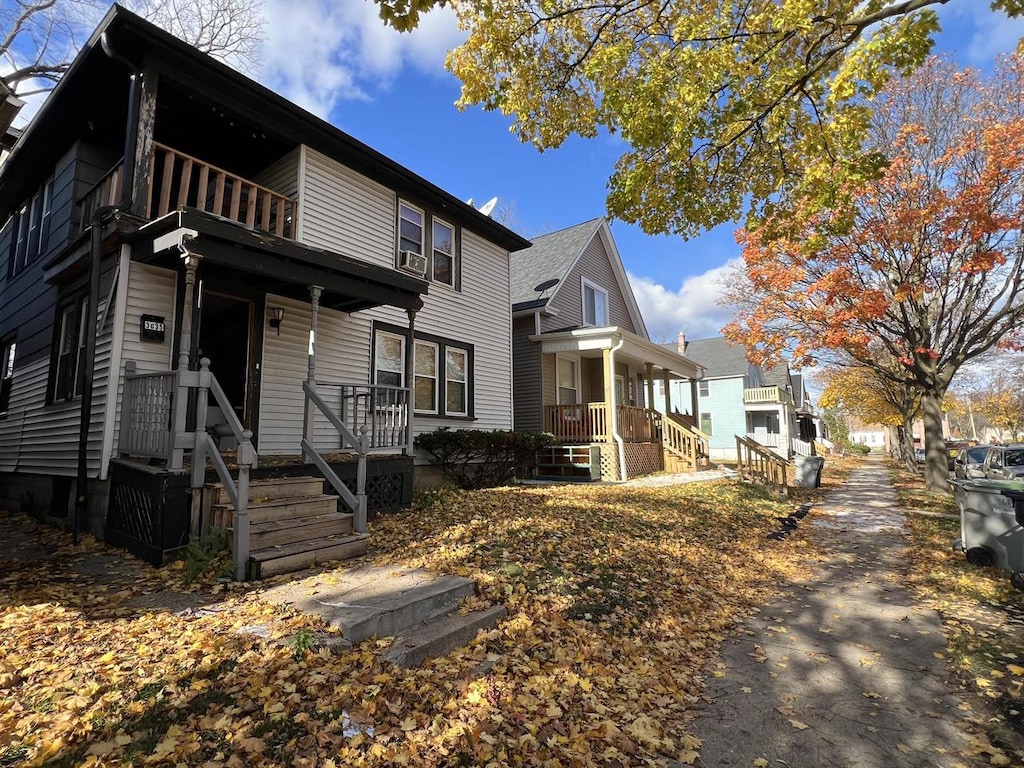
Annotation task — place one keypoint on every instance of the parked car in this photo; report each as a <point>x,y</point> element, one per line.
<point>969,462</point>
<point>1004,462</point>
<point>919,455</point>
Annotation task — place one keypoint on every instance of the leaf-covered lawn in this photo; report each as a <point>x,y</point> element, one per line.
<point>982,614</point>
<point>617,599</point>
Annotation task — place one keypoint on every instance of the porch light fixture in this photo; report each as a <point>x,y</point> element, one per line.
<point>276,316</point>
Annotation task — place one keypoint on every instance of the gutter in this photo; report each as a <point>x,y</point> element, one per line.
<point>92,312</point>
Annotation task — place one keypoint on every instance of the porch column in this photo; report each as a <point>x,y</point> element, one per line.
<point>785,434</point>
<point>668,392</point>
<point>410,380</point>
<point>181,398</point>
<point>308,414</point>
<point>649,374</point>
<point>694,402</point>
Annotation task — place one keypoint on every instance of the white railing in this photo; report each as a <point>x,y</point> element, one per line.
<point>802,447</point>
<point>767,439</point>
<point>767,395</point>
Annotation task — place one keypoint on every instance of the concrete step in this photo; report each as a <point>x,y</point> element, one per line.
<point>369,601</point>
<point>440,636</point>
<point>304,554</point>
<point>278,532</point>
<point>271,488</point>
<point>276,509</point>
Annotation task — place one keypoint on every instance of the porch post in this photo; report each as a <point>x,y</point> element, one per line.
<point>410,381</point>
<point>668,392</point>
<point>784,432</point>
<point>649,375</point>
<point>308,414</point>
<point>184,351</point>
<point>693,402</point>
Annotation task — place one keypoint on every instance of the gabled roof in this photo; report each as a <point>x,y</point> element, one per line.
<point>719,358</point>
<point>93,75</point>
<point>777,376</point>
<point>553,256</point>
<point>549,258</point>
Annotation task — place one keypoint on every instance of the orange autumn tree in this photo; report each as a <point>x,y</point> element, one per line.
<point>922,265</point>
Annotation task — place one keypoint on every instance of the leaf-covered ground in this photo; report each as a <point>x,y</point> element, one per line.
<point>617,598</point>
<point>982,614</point>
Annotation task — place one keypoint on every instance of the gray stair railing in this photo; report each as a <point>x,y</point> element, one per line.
<point>204,447</point>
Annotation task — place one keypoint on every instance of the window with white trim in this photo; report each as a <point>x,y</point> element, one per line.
<point>567,377</point>
<point>68,355</point>
<point>595,304</point>
<point>7,350</point>
<point>705,424</point>
<point>425,375</point>
<point>442,370</point>
<point>389,359</point>
<point>410,228</point>
<point>443,267</point>
<point>456,376</point>
<point>703,388</point>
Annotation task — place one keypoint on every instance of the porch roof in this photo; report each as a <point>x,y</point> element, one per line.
<point>277,264</point>
<point>585,340</point>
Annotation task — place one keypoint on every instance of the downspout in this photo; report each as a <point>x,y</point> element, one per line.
<point>613,417</point>
<point>95,257</point>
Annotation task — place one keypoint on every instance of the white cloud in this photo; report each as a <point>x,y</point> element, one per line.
<point>318,52</point>
<point>985,33</point>
<point>693,309</point>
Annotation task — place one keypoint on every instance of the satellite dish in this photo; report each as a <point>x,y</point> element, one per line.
<point>546,285</point>
<point>470,201</point>
<point>487,207</point>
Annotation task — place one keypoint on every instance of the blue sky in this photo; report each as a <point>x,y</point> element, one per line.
<point>393,93</point>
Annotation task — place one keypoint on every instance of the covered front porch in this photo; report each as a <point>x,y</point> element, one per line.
<point>598,384</point>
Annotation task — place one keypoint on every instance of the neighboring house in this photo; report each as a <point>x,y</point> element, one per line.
<point>584,365</point>
<point>247,232</point>
<point>737,397</point>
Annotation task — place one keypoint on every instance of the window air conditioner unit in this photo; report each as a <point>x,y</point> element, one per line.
<point>410,261</point>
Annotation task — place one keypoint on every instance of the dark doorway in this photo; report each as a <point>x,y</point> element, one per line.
<point>225,337</point>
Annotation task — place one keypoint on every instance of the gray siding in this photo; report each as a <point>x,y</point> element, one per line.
<point>529,415</point>
<point>595,266</point>
<point>282,176</point>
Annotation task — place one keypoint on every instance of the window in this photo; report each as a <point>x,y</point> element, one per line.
<point>69,335</point>
<point>568,382</point>
<point>7,350</point>
<point>443,268</point>
<point>436,391</point>
<point>432,237</point>
<point>425,385</point>
<point>705,423</point>
<point>31,224</point>
<point>455,378</point>
<point>410,228</point>
<point>389,360</point>
<point>595,304</point>
<point>703,388</point>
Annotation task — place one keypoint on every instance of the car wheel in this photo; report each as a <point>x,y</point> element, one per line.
<point>1017,580</point>
<point>978,556</point>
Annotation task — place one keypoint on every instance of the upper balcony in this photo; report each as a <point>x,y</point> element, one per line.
<point>179,180</point>
<point>767,396</point>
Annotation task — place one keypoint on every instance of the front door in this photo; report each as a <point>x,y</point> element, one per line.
<point>226,338</point>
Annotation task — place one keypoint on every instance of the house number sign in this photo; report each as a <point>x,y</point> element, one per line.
<point>152,328</point>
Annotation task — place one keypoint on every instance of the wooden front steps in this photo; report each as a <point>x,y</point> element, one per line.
<point>293,524</point>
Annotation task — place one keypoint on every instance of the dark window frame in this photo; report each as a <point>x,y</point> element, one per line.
<point>429,220</point>
<point>443,344</point>
<point>8,354</point>
<point>64,383</point>
<point>30,232</point>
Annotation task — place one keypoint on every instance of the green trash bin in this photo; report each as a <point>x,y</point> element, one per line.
<point>991,533</point>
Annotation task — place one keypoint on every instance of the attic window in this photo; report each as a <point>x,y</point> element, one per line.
<point>595,304</point>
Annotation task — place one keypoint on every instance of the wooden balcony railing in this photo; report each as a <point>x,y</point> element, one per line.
<point>589,423</point>
<point>767,395</point>
<point>180,180</point>
<point>106,191</point>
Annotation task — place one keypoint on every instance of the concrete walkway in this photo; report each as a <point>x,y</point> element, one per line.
<point>839,672</point>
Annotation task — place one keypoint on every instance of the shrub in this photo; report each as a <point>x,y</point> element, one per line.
<point>475,458</point>
<point>860,448</point>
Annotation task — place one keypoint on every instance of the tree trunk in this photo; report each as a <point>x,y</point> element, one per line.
<point>906,445</point>
<point>936,467</point>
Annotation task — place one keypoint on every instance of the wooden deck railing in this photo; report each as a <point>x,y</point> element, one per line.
<point>685,442</point>
<point>146,413</point>
<point>767,395</point>
<point>180,180</point>
<point>761,466</point>
<point>589,423</point>
<point>106,191</point>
